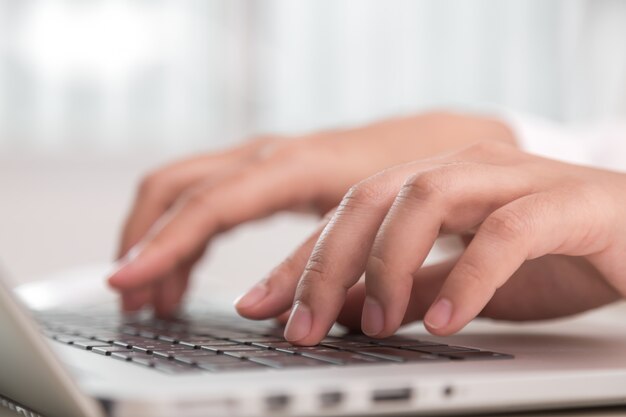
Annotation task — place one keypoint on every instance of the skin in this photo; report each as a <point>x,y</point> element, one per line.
<point>545,239</point>
<point>181,207</point>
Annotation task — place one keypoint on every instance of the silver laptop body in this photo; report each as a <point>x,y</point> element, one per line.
<point>555,365</point>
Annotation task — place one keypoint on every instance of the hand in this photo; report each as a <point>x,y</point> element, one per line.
<point>545,239</point>
<point>179,208</point>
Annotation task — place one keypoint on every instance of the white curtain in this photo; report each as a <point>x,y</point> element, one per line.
<point>120,76</point>
<point>329,62</point>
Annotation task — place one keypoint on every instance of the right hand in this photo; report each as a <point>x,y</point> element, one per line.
<point>180,208</point>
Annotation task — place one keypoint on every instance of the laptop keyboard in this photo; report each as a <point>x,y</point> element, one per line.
<point>227,344</point>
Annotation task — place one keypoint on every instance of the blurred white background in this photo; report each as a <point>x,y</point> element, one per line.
<point>95,92</point>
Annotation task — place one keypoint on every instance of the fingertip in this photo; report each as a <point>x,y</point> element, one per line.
<point>121,279</point>
<point>442,319</point>
<point>299,324</point>
<point>439,315</point>
<point>372,318</point>
<point>121,270</point>
<point>247,301</point>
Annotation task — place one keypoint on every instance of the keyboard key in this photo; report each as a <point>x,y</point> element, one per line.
<point>149,346</point>
<point>213,359</point>
<point>108,350</point>
<point>107,337</point>
<point>173,368</point>
<point>242,348</point>
<point>130,341</point>
<point>253,354</point>
<point>231,367</point>
<point>171,338</point>
<point>89,344</point>
<point>407,343</point>
<point>130,355</point>
<point>257,339</point>
<point>481,355</point>
<point>275,345</point>
<point>275,332</point>
<point>222,344</point>
<point>171,352</point>
<point>70,339</point>
<point>341,358</point>
<point>218,343</point>
<point>287,362</point>
<point>348,345</point>
<point>440,349</point>
<point>397,355</point>
<point>232,348</point>
<point>144,360</point>
<point>195,342</point>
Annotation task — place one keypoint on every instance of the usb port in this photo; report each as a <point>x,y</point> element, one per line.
<point>331,399</point>
<point>392,395</point>
<point>277,402</point>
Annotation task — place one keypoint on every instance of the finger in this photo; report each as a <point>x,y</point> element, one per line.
<point>527,228</point>
<point>428,281</point>
<point>161,189</point>
<point>340,255</point>
<point>274,294</point>
<point>168,294</point>
<point>449,198</point>
<point>254,192</point>
<point>136,299</point>
<point>338,259</point>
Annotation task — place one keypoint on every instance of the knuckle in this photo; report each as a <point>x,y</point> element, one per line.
<point>478,149</point>
<point>197,200</point>
<point>377,265</point>
<point>427,185</point>
<point>286,151</point>
<point>316,265</point>
<point>488,150</point>
<point>364,194</point>
<point>381,268</point>
<point>152,184</point>
<point>315,272</point>
<point>506,224</point>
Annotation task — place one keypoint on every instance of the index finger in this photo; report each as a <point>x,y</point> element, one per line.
<point>255,192</point>
<point>160,190</point>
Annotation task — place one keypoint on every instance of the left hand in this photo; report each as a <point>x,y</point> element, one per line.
<point>547,239</point>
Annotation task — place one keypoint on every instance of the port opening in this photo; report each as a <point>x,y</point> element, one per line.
<point>448,391</point>
<point>331,399</point>
<point>392,395</point>
<point>277,402</point>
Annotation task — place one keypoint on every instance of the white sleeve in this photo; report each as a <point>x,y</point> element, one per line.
<point>602,145</point>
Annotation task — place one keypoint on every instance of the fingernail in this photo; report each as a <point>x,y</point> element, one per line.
<point>299,324</point>
<point>252,297</point>
<point>116,276</point>
<point>373,318</point>
<point>439,314</point>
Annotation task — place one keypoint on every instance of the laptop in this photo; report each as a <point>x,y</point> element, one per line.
<point>91,362</point>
